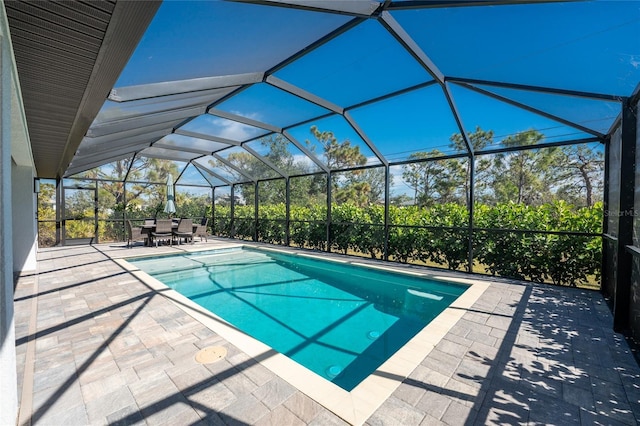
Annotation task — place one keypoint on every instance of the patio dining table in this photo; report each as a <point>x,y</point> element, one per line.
<point>148,228</point>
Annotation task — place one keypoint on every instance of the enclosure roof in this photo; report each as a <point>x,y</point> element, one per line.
<point>213,83</point>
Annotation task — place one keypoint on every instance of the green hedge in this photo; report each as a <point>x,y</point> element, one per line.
<point>439,236</point>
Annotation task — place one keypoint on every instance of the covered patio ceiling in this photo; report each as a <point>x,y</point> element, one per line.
<point>69,55</point>
<point>210,81</point>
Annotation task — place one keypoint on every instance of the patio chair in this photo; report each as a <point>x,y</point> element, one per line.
<point>163,231</point>
<point>184,230</point>
<point>201,229</point>
<point>134,233</point>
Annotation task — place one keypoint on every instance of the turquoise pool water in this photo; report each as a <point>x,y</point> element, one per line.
<point>338,320</point>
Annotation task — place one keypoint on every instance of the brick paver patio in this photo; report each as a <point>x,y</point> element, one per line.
<point>97,346</point>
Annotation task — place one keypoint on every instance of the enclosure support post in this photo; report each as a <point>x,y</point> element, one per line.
<point>59,213</point>
<point>232,212</point>
<point>213,211</point>
<point>255,212</point>
<point>605,263</point>
<point>328,248</point>
<point>470,207</point>
<point>387,182</point>
<point>96,233</point>
<point>621,302</point>
<point>124,210</point>
<point>287,214</point>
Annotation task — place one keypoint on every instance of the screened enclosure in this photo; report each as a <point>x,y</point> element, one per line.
<point>486,137</point>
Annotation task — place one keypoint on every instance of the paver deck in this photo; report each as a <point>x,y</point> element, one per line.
<point>95,345</point>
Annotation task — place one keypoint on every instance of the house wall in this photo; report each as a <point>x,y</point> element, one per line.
<point>17,215</point>
<point>24,219</point>
<point>8,384</point>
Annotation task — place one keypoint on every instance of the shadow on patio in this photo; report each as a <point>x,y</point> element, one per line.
<point>103,348</point>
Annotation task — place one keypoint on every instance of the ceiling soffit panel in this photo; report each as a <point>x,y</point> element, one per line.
<point>69,55</point>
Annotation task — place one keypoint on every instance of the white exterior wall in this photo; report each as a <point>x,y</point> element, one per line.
<point>17,215</point>
<point>23,201</point>
<point>8,388</point>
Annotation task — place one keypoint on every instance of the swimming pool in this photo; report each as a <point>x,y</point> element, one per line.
<point>340,321</point>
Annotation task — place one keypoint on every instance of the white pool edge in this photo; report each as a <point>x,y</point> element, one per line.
<point>354,407</point>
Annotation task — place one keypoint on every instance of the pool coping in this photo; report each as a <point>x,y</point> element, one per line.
<point>356,406</point>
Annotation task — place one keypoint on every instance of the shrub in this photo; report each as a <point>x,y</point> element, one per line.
<point>510,240</point>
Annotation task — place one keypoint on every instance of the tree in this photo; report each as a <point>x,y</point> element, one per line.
<point>422,176</point>
<point>479,140</point>
<point>400,199</point>
<point>340,155</point>
<point>356,193</point>
<point>142,175</point>
<point>277,153</point>
<point>435,181</point>
<point>47,213</point>
<point>280,156</point>
<point>525,176</point>
<point>581,171</point>
<point>370,184</point>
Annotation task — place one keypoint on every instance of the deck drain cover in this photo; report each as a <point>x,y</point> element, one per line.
<point>211,354</point>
